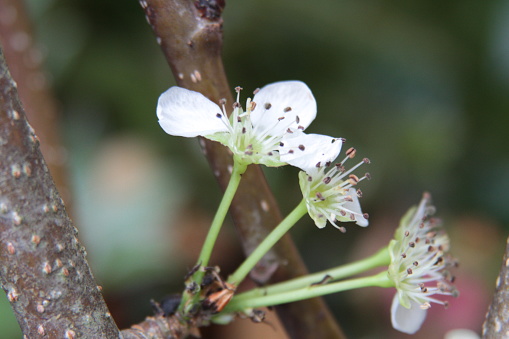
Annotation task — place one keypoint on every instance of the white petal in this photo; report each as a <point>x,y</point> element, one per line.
<point>407,320</point>
<point>461,333</point>
<point>281,95</point>
<point>355,206</point>
<point>186,113</point>
<point>306,150</point>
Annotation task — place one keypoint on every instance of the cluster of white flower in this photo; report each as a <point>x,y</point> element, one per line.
<point>419,266</point>
<point>270,132</point>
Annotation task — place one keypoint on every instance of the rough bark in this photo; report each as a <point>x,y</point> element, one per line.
<point>190,35</point>
<point>497,318</point>
<point>43,268</point>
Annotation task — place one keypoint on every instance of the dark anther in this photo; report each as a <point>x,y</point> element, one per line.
<point>268,105</point>
<point>324,280</point>
<point>351,152</point>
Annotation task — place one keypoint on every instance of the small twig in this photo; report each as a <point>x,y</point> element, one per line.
<point>157,327</point>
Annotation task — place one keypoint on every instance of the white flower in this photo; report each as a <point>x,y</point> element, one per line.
<point>419,267</point>
<point>330,195</point>
<point>269,132</point>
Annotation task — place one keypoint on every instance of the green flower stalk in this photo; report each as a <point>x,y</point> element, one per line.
<point>418,267</point>
<point>327,195</point>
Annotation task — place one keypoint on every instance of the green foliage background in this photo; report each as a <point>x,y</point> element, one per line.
<point>419,87</point>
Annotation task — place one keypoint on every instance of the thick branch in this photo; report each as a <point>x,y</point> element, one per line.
<point>42,264</point>
<point>25,64</point>
<point>190,35</point>
<point>497,324</point>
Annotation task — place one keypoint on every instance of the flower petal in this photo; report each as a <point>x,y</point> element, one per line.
<point>306,150</point>
<point>273,102</point>
<point>355,207</point>
<point>407,320</point>
<point>186,113</point>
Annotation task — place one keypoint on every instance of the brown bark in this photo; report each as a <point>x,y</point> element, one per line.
<point>43,268</point>
<point>497,318</point>
<point>190,35</point>
<point>25,62</point>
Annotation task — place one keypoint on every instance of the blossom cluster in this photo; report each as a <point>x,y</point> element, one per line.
<point>270,131</point>
<point>420,266</point>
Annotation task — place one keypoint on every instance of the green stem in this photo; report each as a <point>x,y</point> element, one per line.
<point>380,280</point>
<point>274,236</point>
<point>381,258</point>
<point>203,260</point>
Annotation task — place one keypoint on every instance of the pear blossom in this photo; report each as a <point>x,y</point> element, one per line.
<point>419,267</point>
<point>268,132</point>
<point>329,193</point>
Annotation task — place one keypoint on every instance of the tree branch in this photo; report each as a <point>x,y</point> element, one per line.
<point>25,64</point>
<point>496,324</point>
<point>190,35</point>
<point>43,268</point>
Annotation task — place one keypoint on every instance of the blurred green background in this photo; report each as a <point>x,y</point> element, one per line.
<point>420,87</point>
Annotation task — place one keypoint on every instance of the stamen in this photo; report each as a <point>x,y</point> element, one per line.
<point>256,91</point>
<point>287,109</point>
<point>353,179</point>
<point>268,105</point>
<point>302,148</point>
<point>351,152</point>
